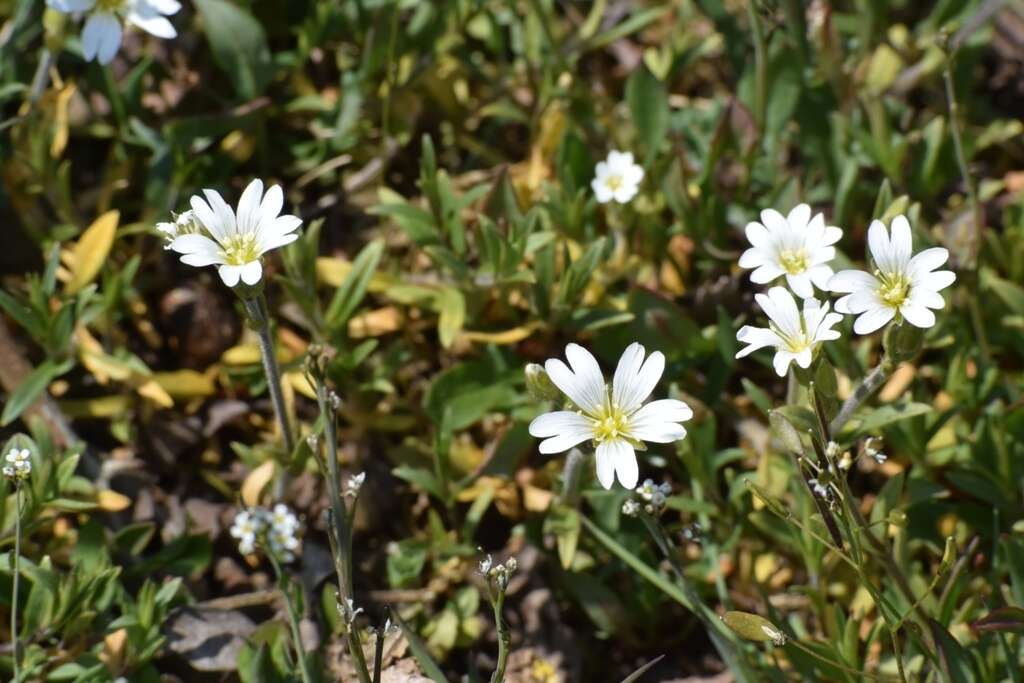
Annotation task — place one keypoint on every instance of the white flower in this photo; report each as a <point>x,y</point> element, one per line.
<point>794,337</point>
<point>101,35</point>
<point>613,418</point>
<point>902,286</point>
<point>235,242</point>
<point>617,178</point>
<point>249,524</point>
<point>19,464</point>
<point>797,246</point>
<point>355,482</point>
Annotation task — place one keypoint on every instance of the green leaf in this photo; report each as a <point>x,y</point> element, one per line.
<point>564,523</point>
<point>635,676</point>
<point>648,104</point>
<point>957,666</point>
<point>353,288</point>
<point>419,651</point>
<point>1004,619</point>
<point>31,388</point>
<point>886,415</point>
<point>239,46</point>
<point>452,309</point>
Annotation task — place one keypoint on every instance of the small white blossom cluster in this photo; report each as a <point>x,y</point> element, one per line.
<point>101,34</point>
<point>650,498</point>
<point>872,449</point>
<point>499,573</point>
<point>214,234</point>
<point>355,482</point>
<point>18,465</point>
<point>275,531</point>
<point>901,286</point>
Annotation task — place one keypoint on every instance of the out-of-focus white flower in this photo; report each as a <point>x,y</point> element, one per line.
<point>617,178</point>
<point>794,337</point>
<point>902,286</point>
<point>355,482</point>
<point>19,464</point>
<point>101,35</point>
<point>248,525</point>
<point>275,531</point>
<point>235,242</point>
<point>797,246</point>
<point>614,418</point>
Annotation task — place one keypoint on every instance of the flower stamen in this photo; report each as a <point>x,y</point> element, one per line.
<point>794,261</point>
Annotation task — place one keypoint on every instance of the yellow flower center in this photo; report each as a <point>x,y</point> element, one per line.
<point>110,5</point>
<point>612,423</point>
<point>238,250</point>
<point>894,288</point>
<point>793,261</point>
<point>613,182</point>
<point>794,343</point>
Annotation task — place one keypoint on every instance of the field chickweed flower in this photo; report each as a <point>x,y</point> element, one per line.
<point>617,178</point>
<point>274,530</point>
<point>101,35</point>
<point>794,337</point>
<point>614,418</point>
<point>797,246</point>
<point>902,286</point>
<point>19,464</point>
<point>214,234</point>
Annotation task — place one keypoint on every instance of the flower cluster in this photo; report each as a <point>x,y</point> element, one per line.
<point>275,531</point>
<point>614,417</point>
<point>901,287</point>
<point>650,498</point>
<point>101,34</point>
<point>355,482</point>
<point>499,573</point>
<point>19,464</point>
<point>214,234</point>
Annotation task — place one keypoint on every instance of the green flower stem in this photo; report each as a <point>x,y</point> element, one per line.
<point>284,586</point>
<point>259,316</point>
<point>875,379</point>
<point>504,637</point>
<point>339,527</point>
<point>17,573</point>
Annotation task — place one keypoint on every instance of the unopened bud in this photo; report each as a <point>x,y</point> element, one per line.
<point>754,627</point>
<point>902,342</point>
<point>539,385</point>
<point>948,555</point>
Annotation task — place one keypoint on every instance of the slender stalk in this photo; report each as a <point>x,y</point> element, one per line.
<point>339,529</point>
<point>17,573</point>
<point>875,379</point>
<point>898,655</point>
<point>256,308</point>
<point>293,620</point>
<point>378,654</point>
<point>504,637</point>
<point>961,159</point>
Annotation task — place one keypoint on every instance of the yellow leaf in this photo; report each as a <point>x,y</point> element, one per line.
<point>113,650</point>
<point>155,393</point>
<point>185,384</point>
<point>254,484</point>
<point>332,271</point>
<point>883,69</point>
<point>112,501</point>
<point>512,336</point>
<point>300,383</point>
<point>103,406</point>
<point>243,354</point>
<point>375,323</point>
<point>60,121</point>
<point>90,252</point>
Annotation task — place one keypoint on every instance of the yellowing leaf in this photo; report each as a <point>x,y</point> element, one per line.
<point>512,336</point>
<point>185,384</point>
<point>60,121</point>
<point>332,271</point>
<point>300,383</point>
<point>154,392</point>
<point>885,66</point>
<point>243,354</point>
<point>375,323</point>
<point>112,501</point>
<point>103,406</point>
<point>254,484</point>
<point>90,252</point>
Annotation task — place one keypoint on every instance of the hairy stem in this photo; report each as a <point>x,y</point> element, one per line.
<point>504,637</point>
<point>875,379</point>
<point>17,573</point>
<point>293,620</point>
<point>256,308</point>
